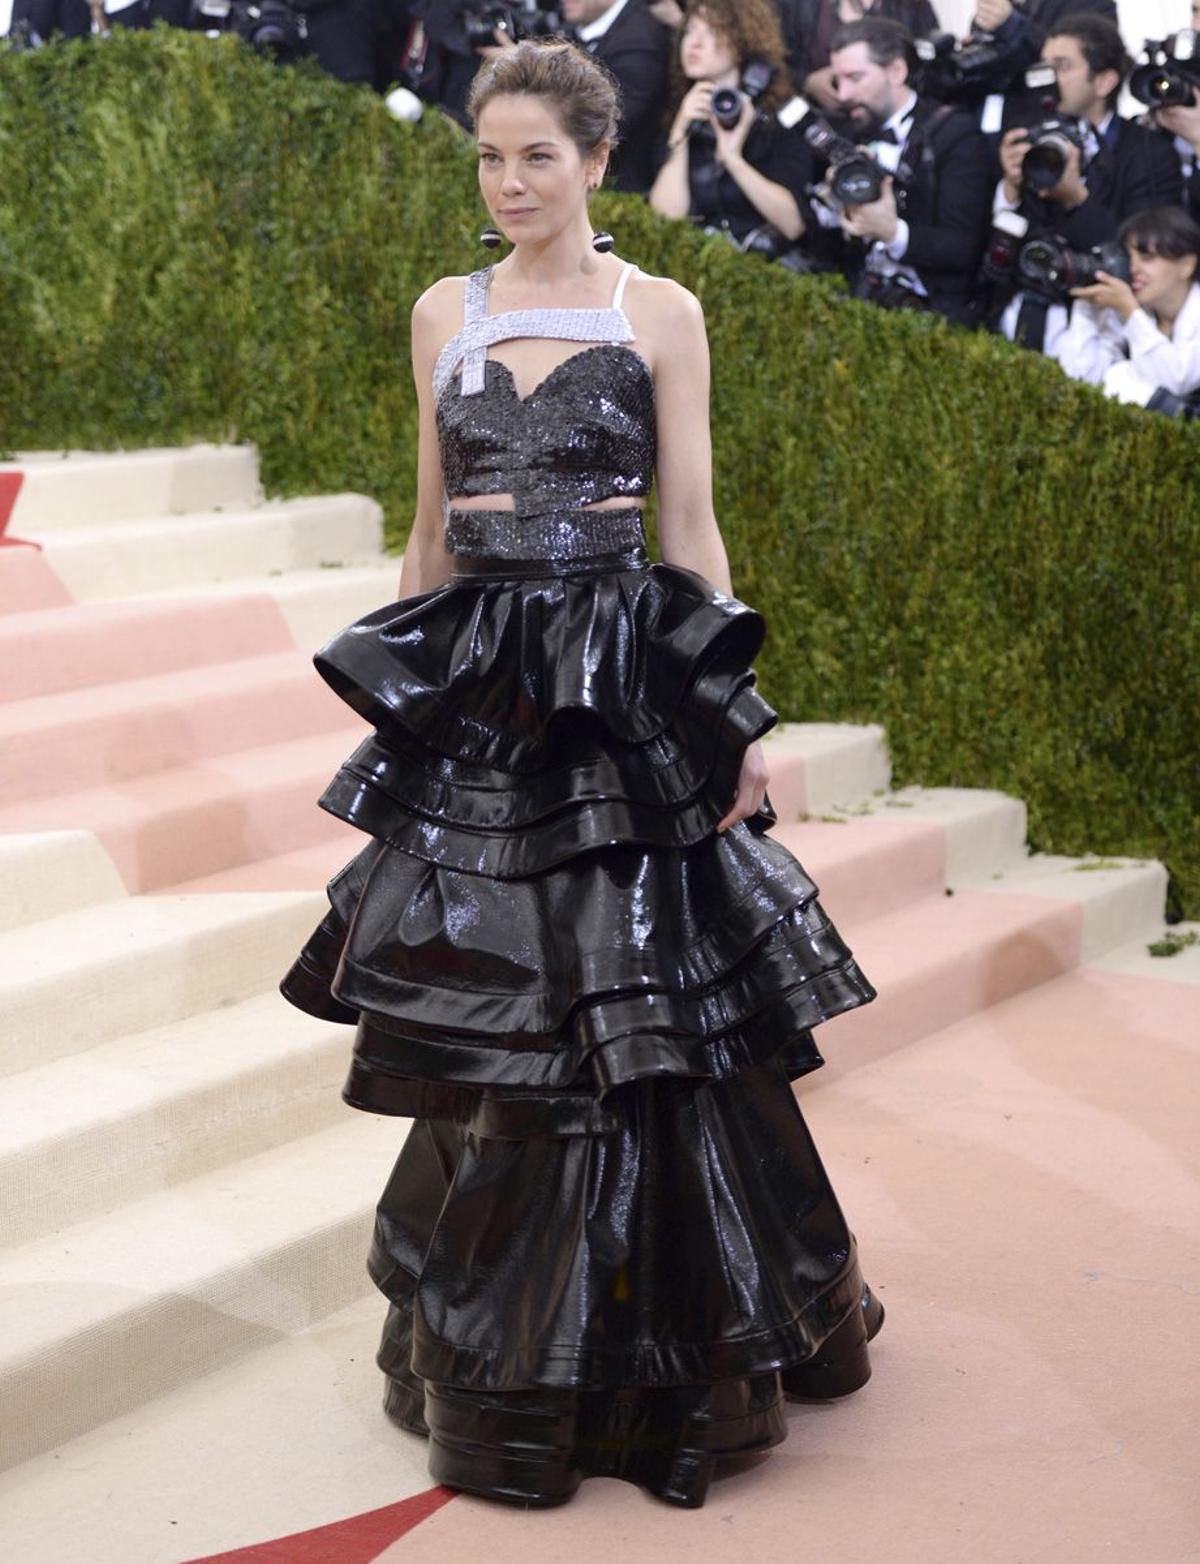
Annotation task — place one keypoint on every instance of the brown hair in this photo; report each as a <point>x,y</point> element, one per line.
<point>751,28</point>
<point>582,92</point>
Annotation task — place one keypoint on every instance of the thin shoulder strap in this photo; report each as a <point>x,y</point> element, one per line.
<point>619,290</point>
<point>475,295</point>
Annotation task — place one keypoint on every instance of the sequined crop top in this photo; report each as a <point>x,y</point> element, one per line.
<point>585,433</point>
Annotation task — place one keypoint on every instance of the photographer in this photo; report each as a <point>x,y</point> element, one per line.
<point>636,48</point>
<point>1111,167</point>
<point>1013,34</point>
<point>809,26</point>
<point>459,36</point>
<point>746,176</point>
<point>920,242</point>
<point>1182,122</point>
<point>1140,340</point>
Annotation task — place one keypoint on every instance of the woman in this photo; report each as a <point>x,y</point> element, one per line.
<point>746,175</point>
<point>573,957</point>
<point>814,23</point>
<point>1134,338</point>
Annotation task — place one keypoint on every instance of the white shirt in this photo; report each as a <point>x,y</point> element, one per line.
<point>6,10</point>
<point>888,155</point>
<point>1130,359</point>
<point>598,28</point>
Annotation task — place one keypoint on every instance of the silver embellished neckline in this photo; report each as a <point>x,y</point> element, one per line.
<point>480,331</point>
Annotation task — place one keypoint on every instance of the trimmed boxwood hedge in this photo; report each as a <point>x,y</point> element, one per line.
<point>945,534</point>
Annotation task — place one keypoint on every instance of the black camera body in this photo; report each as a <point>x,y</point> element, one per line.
<point>1049,148</point>
<point>522,20</point>
<point>1050,267</point>
<point>1170,75</point>
<point>959,73</point>
<point>854,178</point>
<point>726,102</point>
<point>275,27</point>
<point>1046,265</point>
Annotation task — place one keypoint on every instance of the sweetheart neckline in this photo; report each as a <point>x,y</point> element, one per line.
<point>596,347</point>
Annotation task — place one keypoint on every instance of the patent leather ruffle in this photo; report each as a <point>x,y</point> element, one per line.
<point>625,1259</point>
<point>522,722</point>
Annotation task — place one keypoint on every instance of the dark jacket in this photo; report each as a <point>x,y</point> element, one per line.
<point>1135,168</point>
<point>943,191</point>
<point>806,32</point>
<point>637,50</point>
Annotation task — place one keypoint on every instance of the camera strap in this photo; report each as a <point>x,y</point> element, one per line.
<point>918,150</point>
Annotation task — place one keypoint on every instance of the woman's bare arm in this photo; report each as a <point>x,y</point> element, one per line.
<point>426,563</point>
<point>687,524</point>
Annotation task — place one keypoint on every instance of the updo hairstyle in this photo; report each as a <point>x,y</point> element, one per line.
<point>582,93</point>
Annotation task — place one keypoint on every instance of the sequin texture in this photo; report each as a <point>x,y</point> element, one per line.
<point>585,433</point>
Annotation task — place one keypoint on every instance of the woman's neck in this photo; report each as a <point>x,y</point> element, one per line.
<point>1169,310</point>
<point>559,262</point>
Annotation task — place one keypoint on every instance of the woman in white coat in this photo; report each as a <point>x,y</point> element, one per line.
<point>1138,337</point>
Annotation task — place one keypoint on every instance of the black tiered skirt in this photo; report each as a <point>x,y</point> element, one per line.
<point>608,1240</point>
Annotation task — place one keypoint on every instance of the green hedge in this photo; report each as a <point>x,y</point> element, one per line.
<point>946,535</point>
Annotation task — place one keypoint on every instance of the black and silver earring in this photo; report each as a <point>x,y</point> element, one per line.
<point>603,242</point>
<point>491,237</point>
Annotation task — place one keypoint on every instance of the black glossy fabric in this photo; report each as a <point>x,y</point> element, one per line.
<point>608,1230</point>
<point>600,441</point>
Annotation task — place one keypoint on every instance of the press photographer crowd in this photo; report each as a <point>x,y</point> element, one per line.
<point>989,177</point>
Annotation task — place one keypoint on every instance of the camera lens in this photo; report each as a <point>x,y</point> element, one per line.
<point>727,106</point>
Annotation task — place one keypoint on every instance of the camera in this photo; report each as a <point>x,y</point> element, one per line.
<point>954,72</point>
<point>523,20</point>
<point>1050,267</point>
<point>1002,251</point>
<point>854,177</point>
<point>1170,75</point>
<point>889,291</point>
<point>272,26</point>
<point>1050,144</point>
<point>727,102</point>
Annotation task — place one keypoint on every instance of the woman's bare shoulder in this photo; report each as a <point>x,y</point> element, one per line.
<point>664,314</point>
<point>438,312</point>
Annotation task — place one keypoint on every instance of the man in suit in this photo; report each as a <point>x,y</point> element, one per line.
<point>624,36</point>
<point>1130,168</point>
<point>925,233</point>
<point>1018,30</point>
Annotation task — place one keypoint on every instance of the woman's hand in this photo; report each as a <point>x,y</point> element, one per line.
<point>1109,293</point>
<point>504,42</point>
<point>730,142</point>
<point>696,105</point>
<point>751,788</point>
<point>666,12</point>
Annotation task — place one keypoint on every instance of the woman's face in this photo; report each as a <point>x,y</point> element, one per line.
<point>705,53</point>
<point>1156,279</point>
<point>531,173</point>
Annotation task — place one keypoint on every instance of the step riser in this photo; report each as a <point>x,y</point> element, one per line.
<point>70,1178</point>
<point>161,1341</point>
<point>213,550</point>
<point>46,875</point>
<point>48,653</point>
<point>196,839</point>
<point>83,491</point>
<point>53,1017</point>
<point>73,751</point>
<point>913,1004</point>
<point>868,868</point>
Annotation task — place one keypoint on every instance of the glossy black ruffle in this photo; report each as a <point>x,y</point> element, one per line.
<point>668,1302</point>
<point>550,928</point>
<point>608,1235</point>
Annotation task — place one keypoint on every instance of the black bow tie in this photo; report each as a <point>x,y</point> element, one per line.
<point>885,135</point>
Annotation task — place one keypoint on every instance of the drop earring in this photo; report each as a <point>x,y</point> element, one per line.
<point>603,242</point>
<point>491,237</point>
